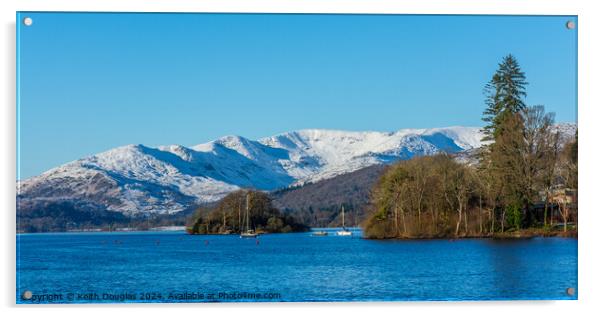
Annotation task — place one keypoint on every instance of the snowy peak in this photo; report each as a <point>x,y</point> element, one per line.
<point>316,154</point>
<point>464,137</point>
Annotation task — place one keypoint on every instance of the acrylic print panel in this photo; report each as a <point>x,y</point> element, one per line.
<point>295,157</point>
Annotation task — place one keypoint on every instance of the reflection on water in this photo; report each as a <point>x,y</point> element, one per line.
<point>518,266</point>
<point>299,267</point>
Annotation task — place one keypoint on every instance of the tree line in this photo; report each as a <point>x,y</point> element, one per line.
<point>229,216</point>
<point>523,179</point>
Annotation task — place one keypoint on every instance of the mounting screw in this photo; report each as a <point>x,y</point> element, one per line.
<point>570,25</point>
<point>27,295</point>
<point>27,21</point>
<point>570,291</point>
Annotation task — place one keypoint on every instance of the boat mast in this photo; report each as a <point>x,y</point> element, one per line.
<point>247,215</point>
<point>239,220</point>
<point>343,207</point>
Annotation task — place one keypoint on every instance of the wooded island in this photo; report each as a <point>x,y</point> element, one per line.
<point>243,210</point>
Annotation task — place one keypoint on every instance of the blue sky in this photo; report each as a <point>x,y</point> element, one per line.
<point>89,82</point>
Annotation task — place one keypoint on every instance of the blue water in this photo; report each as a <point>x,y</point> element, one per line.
<point>176,267</point>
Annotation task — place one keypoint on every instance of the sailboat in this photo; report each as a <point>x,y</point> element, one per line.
<point>345,231</point>
<point>320,233</point>
<point>248,232</point>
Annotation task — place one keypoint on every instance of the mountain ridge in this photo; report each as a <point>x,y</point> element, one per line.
<point>137,179</point>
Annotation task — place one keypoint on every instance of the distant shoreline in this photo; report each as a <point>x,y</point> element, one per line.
<point>524,234</point>
<point>100,230</point>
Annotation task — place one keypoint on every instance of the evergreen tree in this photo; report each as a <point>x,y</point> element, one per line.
<point>505,95</point>
<point>505,127</point>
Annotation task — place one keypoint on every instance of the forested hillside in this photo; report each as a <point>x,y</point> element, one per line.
<point>319,204</point>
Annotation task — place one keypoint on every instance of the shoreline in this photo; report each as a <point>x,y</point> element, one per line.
<point>523,234</point>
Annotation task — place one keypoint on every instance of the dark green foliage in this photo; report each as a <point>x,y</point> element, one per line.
<point>514,218</point>
<point>228,216</point>
<point>504,95</point>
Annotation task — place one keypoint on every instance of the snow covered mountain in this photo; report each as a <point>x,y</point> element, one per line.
<point>136,179</point>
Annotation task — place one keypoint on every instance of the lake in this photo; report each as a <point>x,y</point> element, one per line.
<point>176,267</point>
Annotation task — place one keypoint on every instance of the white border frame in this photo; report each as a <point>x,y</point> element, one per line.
<point>589,55</point>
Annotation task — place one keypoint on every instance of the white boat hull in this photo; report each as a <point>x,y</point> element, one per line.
<point>344,233</point>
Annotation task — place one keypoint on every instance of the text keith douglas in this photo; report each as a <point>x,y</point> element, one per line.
<point>152,296</point>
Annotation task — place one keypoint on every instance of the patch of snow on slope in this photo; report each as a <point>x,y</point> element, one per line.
<point>138,179</point>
